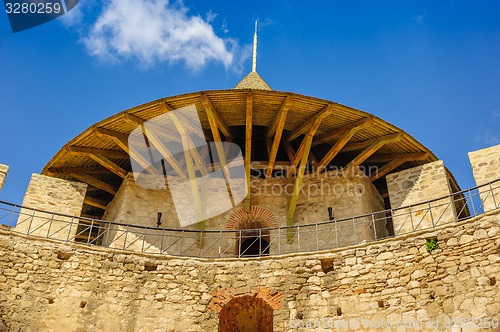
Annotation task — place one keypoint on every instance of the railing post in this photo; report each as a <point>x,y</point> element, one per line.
<point>411,219</point>
<point>374,226</point>
<point>31,222</point>
<point>336,234</point>
<point>430,212</point>
<point>279,241</point>
<point>239,244</point>
<point>90,230</point>
<point>260,242</point>
<point>143,240</point>
<point>354,231</point>
<point>50,225</point>
<point>493,195</point>
<point>317,238</point>
<point>472,201</point>
<point>298,238</point>
<point>69,231</point>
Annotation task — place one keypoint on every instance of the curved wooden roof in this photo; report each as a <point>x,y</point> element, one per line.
<point>341,135</point>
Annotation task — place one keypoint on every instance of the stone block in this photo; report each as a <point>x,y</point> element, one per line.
<point>485,167</point>
<point>4,169</point>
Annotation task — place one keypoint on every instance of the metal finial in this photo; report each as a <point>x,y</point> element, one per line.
<point>254,57</point>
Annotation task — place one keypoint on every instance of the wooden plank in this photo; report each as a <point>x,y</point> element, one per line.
<point>308,124</point>
<point>335,149</point>
<point>277,129</point>
<point>106,153</point>
<point>374,146</point>
<point>95,202</point>
<point>219,123</point>
<point>283,109</point>
<point>360,145</point>
<point>109,165</point>
<point>248,148</point>
<point>342,130</point>
<point>163,132</point>
<point>307,143</point>
<point>69,170</point>
<point>95,182</point>
<point>290,151</point>
<point>218,145</point>
<point>387,168</point>
<point>188,145</point>
<point>122,141</point>
<point>390,157</point>
<point>163,150</point>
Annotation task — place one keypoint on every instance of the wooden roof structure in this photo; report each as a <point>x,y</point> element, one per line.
<point>275,129</point>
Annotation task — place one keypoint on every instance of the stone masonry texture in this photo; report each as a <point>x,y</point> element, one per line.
<point>46,193</point>
<point>417,185</point>
<point>486,168</point>
<point>4,169</point>
<point>46,285</point>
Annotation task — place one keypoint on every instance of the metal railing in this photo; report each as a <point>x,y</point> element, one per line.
<point>254,242</point>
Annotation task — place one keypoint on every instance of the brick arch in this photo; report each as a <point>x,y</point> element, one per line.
<point>258,217</point>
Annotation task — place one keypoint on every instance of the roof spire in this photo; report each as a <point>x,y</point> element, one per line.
<point>254,57</point>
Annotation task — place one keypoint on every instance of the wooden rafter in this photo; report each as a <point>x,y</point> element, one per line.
<point>374,146</point>
<point>106,153</point>
<point>212,120</point>
<point>335,149</point>
<point>122,141</point>
<point>95,182</point>
<point>307,143</point>
<point>276,129</point>
<point>390,157</point>
<point>109,165</point>
<point>212,112</point>
<point>95,202</point>
<point>396,162</point>
<point>387,168</point>
<point>188,145</point>
<point>308,124</point>
<point>69,170</point>
<point>341,131</point>
<point>152,127</point>
<point>248,148</point>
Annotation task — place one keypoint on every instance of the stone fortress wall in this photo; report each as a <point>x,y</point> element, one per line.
<point>47,285</point>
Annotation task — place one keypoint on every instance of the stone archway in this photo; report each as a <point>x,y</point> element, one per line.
<point>251,241</point>
<point>252,311</point>
<point>246,313</point>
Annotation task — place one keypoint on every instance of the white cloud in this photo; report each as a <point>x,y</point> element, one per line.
<point>155,31</point>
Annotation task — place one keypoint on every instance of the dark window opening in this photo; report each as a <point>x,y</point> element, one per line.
<point>254,246</point>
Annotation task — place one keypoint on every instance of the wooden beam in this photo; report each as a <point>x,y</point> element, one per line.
<point>248,148</point>
<point>308,124</point>
<point>69,170</point>
<point>106,153</point>
<point>171,135</point>
<point>95,182</point>
<point>374,146</point>
<point>95,202</point>
<point>211,112</point>
<point>122,141</point>
<point>277,129</point>
<point>335,149</point>
<point>212,120</point>
<point>283,109</point>
<point>188,145</point>
<point>109,165</point>
<point>165,153</point>
<point>396,162</point>
<point>390,157</point>
<point>341,131</point>
<point>311,132</point>
<point>387,168</point>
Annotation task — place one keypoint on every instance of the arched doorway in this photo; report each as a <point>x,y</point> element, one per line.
<point>246,313</point>
<point>253,238</point>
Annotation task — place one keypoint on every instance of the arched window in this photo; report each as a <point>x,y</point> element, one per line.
<point>253,239</point>
<point>246,313</point>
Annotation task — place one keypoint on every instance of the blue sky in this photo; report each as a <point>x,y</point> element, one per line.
<point>429,67</point>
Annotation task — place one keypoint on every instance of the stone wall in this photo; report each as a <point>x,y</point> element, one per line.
<point>50,194</point>
<point>350,193</point>
<point>410,187</point>
<point>4,169</point>
<point>47,285</point>
<point>486,168</point>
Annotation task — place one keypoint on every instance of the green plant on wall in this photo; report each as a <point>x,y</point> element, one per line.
<point>431,244</point>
